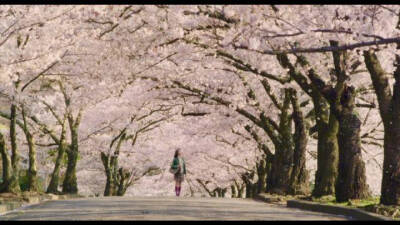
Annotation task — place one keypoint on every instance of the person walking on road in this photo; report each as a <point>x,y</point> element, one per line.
<point>178,168</point>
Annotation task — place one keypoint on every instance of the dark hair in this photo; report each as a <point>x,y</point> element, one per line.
<point>176,153</point>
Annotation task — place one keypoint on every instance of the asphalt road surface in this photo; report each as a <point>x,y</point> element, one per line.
<point>162,208</point>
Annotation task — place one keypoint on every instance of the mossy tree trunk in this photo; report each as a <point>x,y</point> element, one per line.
<point>262,176</point>
<point>299,184</point>
<point>219,192</point>
<point>240,188</point>
<point>123,181</point>
<point>55,176</point>
<point>10,181</point>
<point>326,127</point>
<point>110,187</point>
<point>279,165</point>
<point>389,107</point>
<point>269,161</point>
<point>11,164</point>
<point>70,184</point>
<point>118,179</point>
<point>32,171</point>
<point>234,191</point>
<point>351,180</point>
<point>223,192</point>
<point>247,180</point>
<point>265,164</point>
<point>45,130</point>
<point>13,138</point>
<point>283,157</point>
<point>279,179</point>
<point>110,163</point>
<point>327,156</point>
<point>288,172</point>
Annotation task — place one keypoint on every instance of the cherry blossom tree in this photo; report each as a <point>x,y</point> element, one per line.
<point>247,39</point>
<point>28,58</point>
<point>72,77</point>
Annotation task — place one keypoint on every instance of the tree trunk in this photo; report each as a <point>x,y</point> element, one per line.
<point>240,190</point>
<point>247,178</point>
<point>33,184</point>
<point>32,171</point>
<point>55,179</point>
<point>328,156</point>
<point>389,107</point>
<point>10,181</point>
<point>223,192</point>
<point>109,189</point>
<point>262,176</point>
<point>299,184</point>
<point>390,191</point>
<point>255,190</point>
<point>249,190</point>
<point>219,192</point>
<point>13,137</point>
<point>327,128</point>
<point>351,182</point>
<point>281,170</point>
<point>108,169</point>
<point>114,175</point>
<point>122,182</point>
<point>234,192</point>
<point>70,184</point>
<point>269,169</point>
<point>264,166</point>
<point>283,157</point>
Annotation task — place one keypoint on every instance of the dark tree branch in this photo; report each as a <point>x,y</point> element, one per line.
<point>43,71</point>
<point>325,48</point>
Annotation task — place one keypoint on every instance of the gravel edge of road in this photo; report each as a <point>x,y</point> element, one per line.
<point>354,214</point>
<point>9,207</point>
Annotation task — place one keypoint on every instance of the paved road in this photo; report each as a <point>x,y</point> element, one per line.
<point>162,208</point>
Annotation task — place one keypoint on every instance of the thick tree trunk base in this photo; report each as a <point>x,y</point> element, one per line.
<point>390,190</point>
<point>54,183</point>
<point>70,185</point>
<point>33,183</point>
<point>351,182</point>
<point>10,186</point>
<point>327,164</point>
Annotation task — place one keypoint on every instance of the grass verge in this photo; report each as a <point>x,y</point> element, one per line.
<point>370,205</point>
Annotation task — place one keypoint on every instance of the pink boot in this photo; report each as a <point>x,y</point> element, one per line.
<point>179,191</point>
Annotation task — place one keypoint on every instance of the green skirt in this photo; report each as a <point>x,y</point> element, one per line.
<point>179,177</point>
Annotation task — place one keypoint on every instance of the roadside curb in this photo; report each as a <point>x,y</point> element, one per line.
<point>6,207</point>
<point>270,199</point>
<point>355,214</point>
<point>9,206</point>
